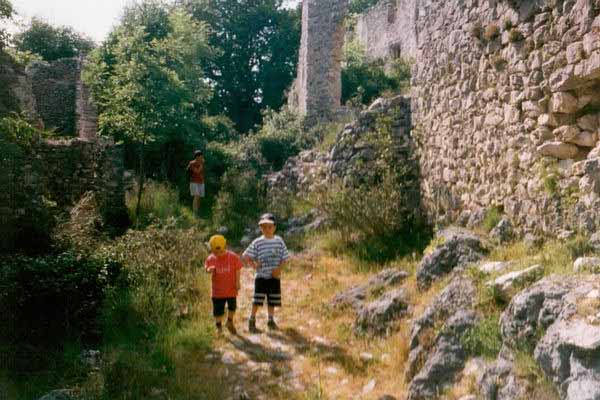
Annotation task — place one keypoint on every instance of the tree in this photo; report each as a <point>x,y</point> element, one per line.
<point>6,12</point>
<point>149,86</point>
<point>259,42</point>
<point>52,43</point>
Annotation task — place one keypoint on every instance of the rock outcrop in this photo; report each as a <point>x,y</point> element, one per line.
<point>436,353</point>
<point>458,250</point>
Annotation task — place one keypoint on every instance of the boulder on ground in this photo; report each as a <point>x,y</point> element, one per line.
<point>560,308</point>
<point>502,232</point>
<point>436,354</point>
<point>446,360</point>
<point>507,284</point>
<point>356,295</point>
<point>375,317</point>
<point>494,266</point>
<point>587,264</point>
<point>458,250</point>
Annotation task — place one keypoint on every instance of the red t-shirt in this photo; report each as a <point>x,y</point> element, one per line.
<point>223,279</point>
<point>197,171</point>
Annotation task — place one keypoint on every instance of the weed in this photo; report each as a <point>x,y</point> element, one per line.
<point>527,368</point>
<point>476,31</point>
<point>579,246</point>
<point>515,35</point>
<point>492,31</point>
<point>498,62</point>
<point>507,24</point>
<point>484,339</point>
<point>492,216</point>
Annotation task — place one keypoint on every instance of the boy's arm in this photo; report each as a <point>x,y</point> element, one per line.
<point>209,267</point>
<point>238,285</point>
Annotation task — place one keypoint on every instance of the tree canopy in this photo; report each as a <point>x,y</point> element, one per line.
<point>360,6</point>
<point>52,42</point>
<point>258,42</point>
<point>6,12</point>
<point>147,78</point>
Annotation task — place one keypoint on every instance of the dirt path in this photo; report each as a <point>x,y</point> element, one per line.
<point>296,362</point>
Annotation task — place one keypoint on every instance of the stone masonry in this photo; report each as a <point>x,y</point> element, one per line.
<point>505,104</point>
<point>317,90</point>
<point>389,29</point>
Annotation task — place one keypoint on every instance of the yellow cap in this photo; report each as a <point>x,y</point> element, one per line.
<point>217,242</point>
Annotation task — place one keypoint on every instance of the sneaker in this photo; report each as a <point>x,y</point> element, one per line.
<point>231,327</point>
<point>272,325</point>
<point>252,326</point>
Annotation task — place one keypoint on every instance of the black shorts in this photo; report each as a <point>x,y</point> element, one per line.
<point>269,289</point>
<point>219,305</point>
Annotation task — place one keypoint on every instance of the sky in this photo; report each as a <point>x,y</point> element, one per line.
<point>95,18</point>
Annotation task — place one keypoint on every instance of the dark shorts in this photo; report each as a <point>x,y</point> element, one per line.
<point>269,289</point>
<point>219,306</point>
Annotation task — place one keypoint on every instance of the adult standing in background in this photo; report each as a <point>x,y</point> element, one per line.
<point>196,173</point>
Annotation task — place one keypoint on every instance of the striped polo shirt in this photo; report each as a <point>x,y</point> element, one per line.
<point>269,252</point>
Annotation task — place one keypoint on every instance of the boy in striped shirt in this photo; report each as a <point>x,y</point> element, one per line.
<point>266,254</point>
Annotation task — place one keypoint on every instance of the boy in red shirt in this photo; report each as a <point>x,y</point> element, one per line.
<point>225,266</point>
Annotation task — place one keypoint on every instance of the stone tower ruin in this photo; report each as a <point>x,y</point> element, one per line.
<point>317,90</point>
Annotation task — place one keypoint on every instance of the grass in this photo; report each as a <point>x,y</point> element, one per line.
<point>484,339</point>
<point>160,204</point>
<point>492,216</point>
<point>527,368</point>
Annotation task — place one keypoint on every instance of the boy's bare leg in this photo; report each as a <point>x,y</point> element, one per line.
<point>254,310</point>
<point>219,321</point>
<point>230,325</point>
<point>196,204</point>
<point>271,311</point>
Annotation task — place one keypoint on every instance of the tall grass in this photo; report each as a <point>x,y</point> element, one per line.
<point>160,203</point>
<point>157,327</point>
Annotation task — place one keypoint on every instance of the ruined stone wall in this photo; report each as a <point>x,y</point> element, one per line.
<point>55,94</point>
<point>389,29</point>
<point>506,110</point>
<point>317,90</point>
<point>59,173</point>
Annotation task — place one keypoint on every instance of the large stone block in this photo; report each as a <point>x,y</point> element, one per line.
<point>563,102</point>
<point>558,150</point>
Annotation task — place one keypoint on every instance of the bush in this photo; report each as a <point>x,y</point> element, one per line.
<point>280,137</point>
<point>364,80</point>
<point>156,326</point>
<point>241,199</point>
<point>377,204</point>
<point>51,298</point>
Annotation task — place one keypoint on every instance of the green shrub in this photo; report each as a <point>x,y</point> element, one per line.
<point>55,297</point>
<point>492,216</point>
<point>484,339</point>
<point>241,199</point>
<point>364,80</point>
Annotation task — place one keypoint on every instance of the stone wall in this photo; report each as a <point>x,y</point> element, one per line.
<point>59,173</point>
<point>505,110</point>
<point>317,90</point>
<point>55,94</point>
<point>389,29</point>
